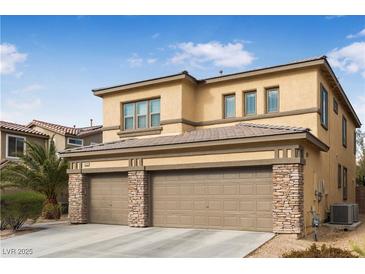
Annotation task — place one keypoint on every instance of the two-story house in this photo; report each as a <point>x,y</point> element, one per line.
<point>13,139</point>
<point>256,150</point>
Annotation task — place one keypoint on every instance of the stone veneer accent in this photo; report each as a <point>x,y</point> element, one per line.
<point>77,198</point>
<point>288,198</point>
<point>138,198</point>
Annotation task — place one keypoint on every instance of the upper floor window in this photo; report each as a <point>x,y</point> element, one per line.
<point>324,107</point>
<point>250,103</point>
<point>344,131</point>
<point>344,182</point>
<point>155,112</point>
<point>15,146</point>
<point>339,176</point>
<point>335,106</point>
<point>272,100</point>
<point>141,114</point>
<point>229,106</point>
<point>75,141</point>
<point>354,142</point>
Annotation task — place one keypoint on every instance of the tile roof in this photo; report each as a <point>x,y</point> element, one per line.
<point>241,130</point>
<point>20,128</point>
<point>64,130</point>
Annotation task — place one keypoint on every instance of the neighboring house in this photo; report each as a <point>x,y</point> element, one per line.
<point>13,143</point>
<point>256,150</point>
<point>13,140</point>
<point>69,137</point>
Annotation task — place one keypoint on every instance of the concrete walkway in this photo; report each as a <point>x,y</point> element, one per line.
<point>96,240</point>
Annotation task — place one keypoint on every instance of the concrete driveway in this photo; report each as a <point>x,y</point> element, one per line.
<point>96,240</point>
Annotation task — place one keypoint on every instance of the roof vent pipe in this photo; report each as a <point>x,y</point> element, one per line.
<point>91,122</point>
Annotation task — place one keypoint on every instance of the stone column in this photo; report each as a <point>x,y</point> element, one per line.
<point>138,198</point>
<point>77,198</point>
<point>288,198</point>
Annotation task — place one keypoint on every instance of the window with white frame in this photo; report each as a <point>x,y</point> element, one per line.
<point>141,114</point>
<point>230,106</point>
<point>272,100</point>
<point>75,142</point>
<point>15,146</point>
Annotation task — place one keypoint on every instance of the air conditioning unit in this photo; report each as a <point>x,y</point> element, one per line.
<point>355,213</point>
<point>342,213</point>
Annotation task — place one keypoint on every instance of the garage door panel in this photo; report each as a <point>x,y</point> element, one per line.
<point>264,189</point>
<point>247,205</point>
<point>247,189</point>
<point>200,205</point>
<point>230,188</point>
<point>186,205</point>
<point>264,206</point>
<point>264,223</point>
<point>215,221</point>
<point>231,198</point>
<point>108,199</point>
<point>200,220</point>
<point>231,205</point>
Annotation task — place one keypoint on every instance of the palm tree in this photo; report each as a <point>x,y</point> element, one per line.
<point>40,170</point>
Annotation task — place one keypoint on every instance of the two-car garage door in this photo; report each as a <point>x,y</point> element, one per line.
<point>239,199</point>
<point>224,198</point>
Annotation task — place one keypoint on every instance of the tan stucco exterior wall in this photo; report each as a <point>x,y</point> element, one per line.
<point>171,106</point>
<point>204,103</point>
<point>212,158</point>
<point>297,91</point>
<point>324,165</point>
<point>59,140</point>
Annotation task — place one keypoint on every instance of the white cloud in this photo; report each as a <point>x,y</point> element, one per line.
<point>135,61</point>
<point>361,33</point>
<point>24,105</point>
<point>350,59</point>
<point>9,58</point>
<point>155,35</point>
<point>28,89</point>
<point>151,60</point>
<point>221,55</point>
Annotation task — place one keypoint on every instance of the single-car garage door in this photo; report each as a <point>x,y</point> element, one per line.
<point>225,198</point>
<point>108,198</point>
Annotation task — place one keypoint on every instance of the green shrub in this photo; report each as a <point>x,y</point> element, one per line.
<point>51,211</point>
<point>324,252</point>
<point>17,207</point>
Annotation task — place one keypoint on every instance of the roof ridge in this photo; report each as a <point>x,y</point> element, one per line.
<point>268,126</point>
<point>20,128</point>
<point>35,120</point>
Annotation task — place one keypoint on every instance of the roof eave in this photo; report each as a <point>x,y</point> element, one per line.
<point>14,131</point>
<point>333,75</point>
<point>261,71</point>
<point>181,76</point>
<point>247,140</point>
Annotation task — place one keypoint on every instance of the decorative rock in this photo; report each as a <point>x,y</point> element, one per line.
<point>288,198</point>
<point>138,198</point>
<point>78,191</point>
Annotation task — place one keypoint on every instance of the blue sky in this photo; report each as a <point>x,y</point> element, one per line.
<point>49,64</point>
